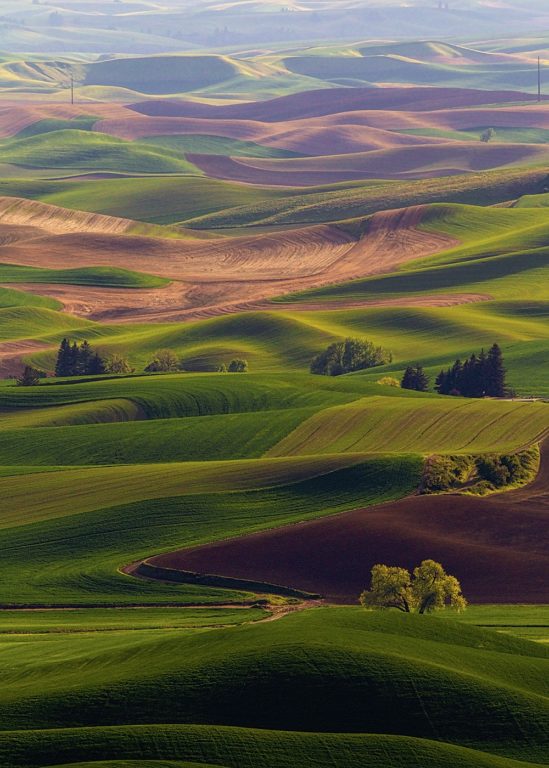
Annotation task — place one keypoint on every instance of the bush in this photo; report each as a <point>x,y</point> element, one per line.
<point>389,381</point>
<point>442,473</point>
<point>116,363</point>
<point>349,355</point>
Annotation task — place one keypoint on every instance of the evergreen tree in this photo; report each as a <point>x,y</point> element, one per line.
<point>63,359</point>
<point>72,364</point>
<point>478,376</point>
<point>455,379</point>
<point>83,359</point>
<point>442,382</point>
<point>29,378</point>
<point>495,372</point>
<point>415,378</point>
<point>96,366</point>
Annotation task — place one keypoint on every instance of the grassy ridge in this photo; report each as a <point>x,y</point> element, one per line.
<point>205,144</point>
<point>207,203</point>
<point>203,438</point>
<point>108,277</point>
<point>83,149</point>
<point>388,674</point>
<point>13,298</point>
<point>156,200</point>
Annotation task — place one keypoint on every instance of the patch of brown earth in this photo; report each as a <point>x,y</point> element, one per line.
<point>497,546</point>
<point>228,274</point>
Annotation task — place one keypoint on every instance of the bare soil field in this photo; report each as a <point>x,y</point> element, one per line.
<point>32,218</point>
<point>497,546</point>
<point>216,275</point>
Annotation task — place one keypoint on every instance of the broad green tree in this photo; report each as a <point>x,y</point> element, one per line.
<point>428,589</point>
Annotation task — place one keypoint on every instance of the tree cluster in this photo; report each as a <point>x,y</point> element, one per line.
<point>164,361</point>
<point>480,375</point>
<point>78,360</point>
<point>235,366</point>
<point>349,355</point>
<point>428,588</point>
<point>481,474</point>
<point>415,378</point>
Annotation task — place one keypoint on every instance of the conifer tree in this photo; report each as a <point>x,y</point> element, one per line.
<point>84,358</point>
<point>96,366</point>
<point>63,363</point>
<point>495,372</point>
<point>415,378</point>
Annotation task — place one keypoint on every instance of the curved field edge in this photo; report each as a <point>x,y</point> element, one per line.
<point>75,559</point>
<point>150,746</point>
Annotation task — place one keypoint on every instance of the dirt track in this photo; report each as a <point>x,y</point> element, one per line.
<point>497,546</point>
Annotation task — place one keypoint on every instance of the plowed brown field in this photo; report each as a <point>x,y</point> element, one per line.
<point>214,275</point>
<point>497,546</point>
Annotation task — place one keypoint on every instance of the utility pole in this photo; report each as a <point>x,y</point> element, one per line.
<point>539,79</point>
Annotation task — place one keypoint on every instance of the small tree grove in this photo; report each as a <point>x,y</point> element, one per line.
<point>349,355</point>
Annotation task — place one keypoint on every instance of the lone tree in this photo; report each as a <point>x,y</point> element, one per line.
<point>30,377</point>
<point>487,135</point>
<point>415,378</point>
<point>349,355</point>
<point>429,588</point>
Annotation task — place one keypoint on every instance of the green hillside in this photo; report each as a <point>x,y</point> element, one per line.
<point>387,675</point>
<point>82,149</point>
<point>106,276</point>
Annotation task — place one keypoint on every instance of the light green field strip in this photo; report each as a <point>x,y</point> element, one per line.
<point>173,395</point>
<point>100,412</point>
<point>63,493</point>
<point>531,622</point>
<point>86,150</point>
<point>202,438</point>
<point>10,297</point>
<point>159,200</point>
<point>25,322</point>
<point>86,620</point>
<point>440,425</point>
<point>107,277</point>
<point>208,203</point>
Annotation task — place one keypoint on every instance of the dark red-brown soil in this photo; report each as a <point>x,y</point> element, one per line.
<point>497,546</point>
